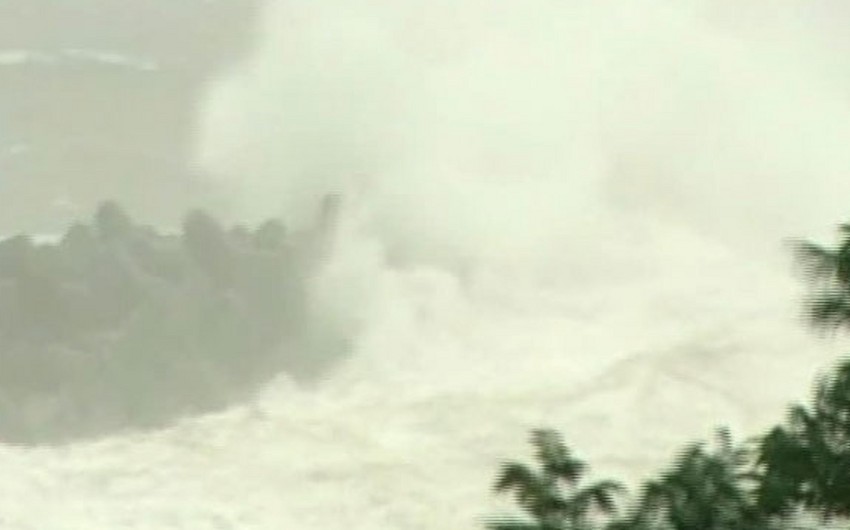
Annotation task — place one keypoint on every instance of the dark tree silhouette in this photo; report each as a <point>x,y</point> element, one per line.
<point>552,496</point>
<point>702,490</point>
<point>828,273</point>
<point>807,461</point>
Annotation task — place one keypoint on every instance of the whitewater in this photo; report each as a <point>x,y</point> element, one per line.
<point>568,214</point>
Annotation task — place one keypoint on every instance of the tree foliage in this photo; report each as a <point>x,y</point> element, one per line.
<point>702,490</point>
<point>828,272</point>
<point>552,496</point>
<point>806,461</point>
<point>801,465</point>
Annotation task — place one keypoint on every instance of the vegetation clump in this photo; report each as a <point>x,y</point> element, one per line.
<point>117,325</point>
<point>797,471</point>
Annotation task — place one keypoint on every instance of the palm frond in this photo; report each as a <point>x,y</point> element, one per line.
<point>817,262</point>
<point>514,475</point>
<point>599,495</point>
<point>555,457</point>
<point>829,309</point>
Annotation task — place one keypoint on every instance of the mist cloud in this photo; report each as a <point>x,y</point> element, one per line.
<point>482,129</point>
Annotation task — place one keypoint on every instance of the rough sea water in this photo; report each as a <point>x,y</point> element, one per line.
<point>571,214</point>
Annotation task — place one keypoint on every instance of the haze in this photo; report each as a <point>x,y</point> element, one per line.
<point>560,213</point>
